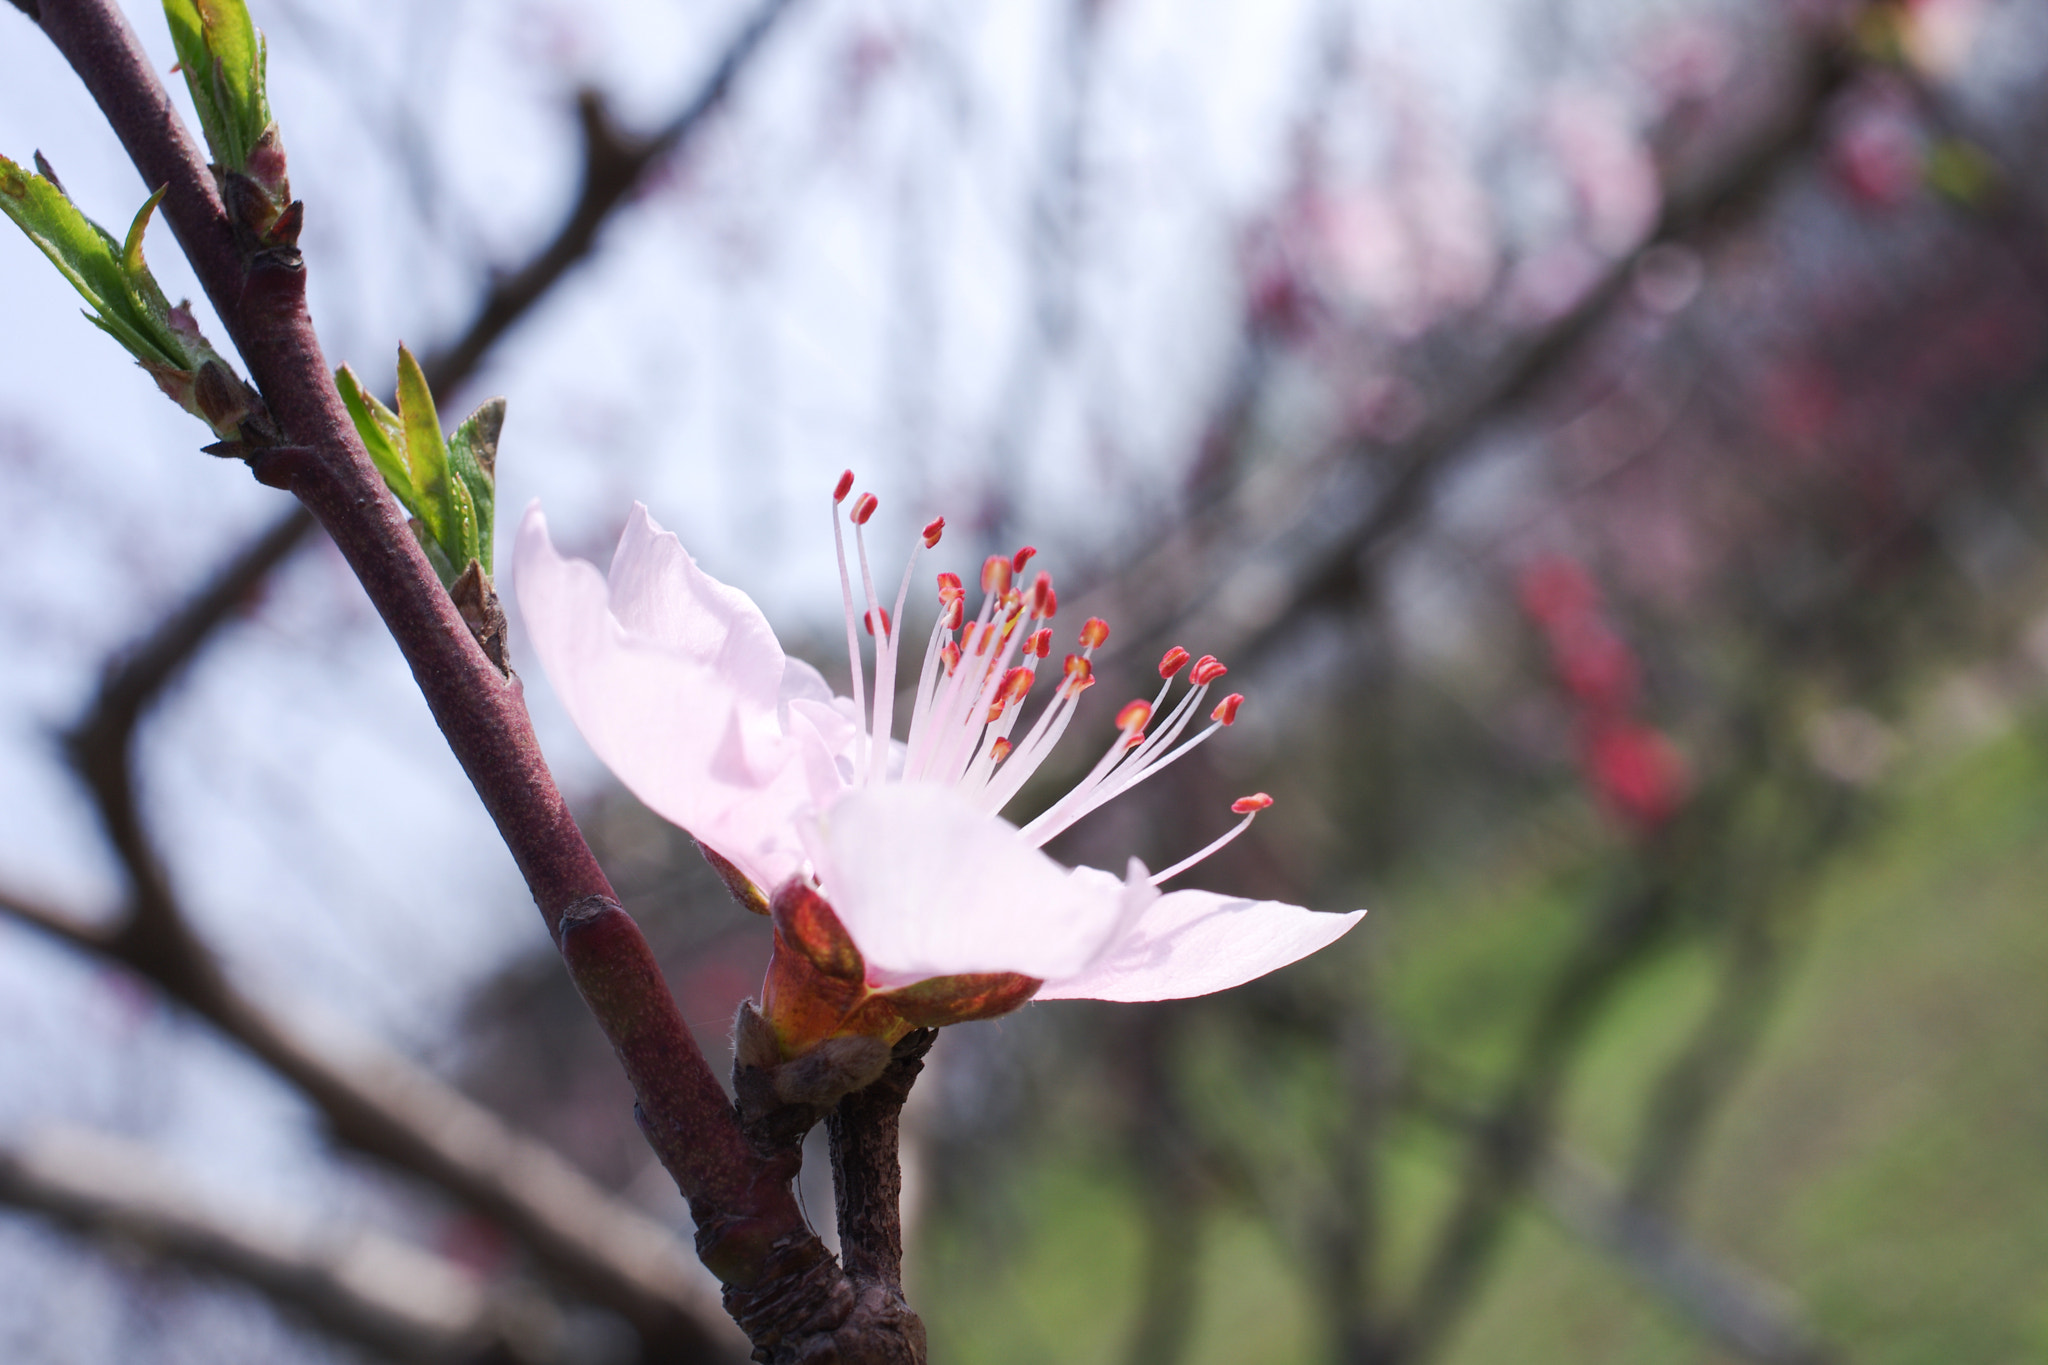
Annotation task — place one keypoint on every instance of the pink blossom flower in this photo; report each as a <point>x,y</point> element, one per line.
<point>680,686</point>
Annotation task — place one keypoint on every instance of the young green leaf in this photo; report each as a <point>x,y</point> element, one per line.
<point>473,455</point>
<point>223,58</point>
<point>383,435</point>
<point>94,262</point>
<point>446,485</point>
<point>440,494</point>
<point>127,303</point>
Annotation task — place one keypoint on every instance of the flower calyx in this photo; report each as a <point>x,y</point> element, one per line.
<point>822,1030</point>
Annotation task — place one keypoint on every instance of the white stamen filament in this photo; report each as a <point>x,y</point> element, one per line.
<point>923,762</point>
<point>852,645</point>
<point>885,677</point>
<point>952,741</point>
<point>1185,863</point>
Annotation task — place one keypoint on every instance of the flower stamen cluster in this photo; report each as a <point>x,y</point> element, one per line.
<point>974,680</point>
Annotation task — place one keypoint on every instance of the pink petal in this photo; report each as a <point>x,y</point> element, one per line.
<point>930,886</point>
<point>677,683</point>
<point>1196,942</point>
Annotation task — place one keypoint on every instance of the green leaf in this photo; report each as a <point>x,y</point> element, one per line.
<point>473,455</point>
<point>383,434</point>
<point>449,486</point>
<point>223,58</point>
<point>126,302</point>
<point>442,500</point>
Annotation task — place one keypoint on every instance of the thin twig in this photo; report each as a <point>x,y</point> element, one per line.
<point>384,1106</point>
<point>1730,1304</point>
<point>614,164</point>
<point>1153,593</point>
<point>360,1286</point>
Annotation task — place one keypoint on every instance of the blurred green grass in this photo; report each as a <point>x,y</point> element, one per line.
<point>1884,1156</point>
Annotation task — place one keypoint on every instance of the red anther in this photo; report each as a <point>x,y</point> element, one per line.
<point>1206,670</point>
<point>933,529</point>
<point>1013,601</point>
<point>1043,601</point>
<point>1094,631</point>
<point>949,586</point>
<point>1040,642</point>
<point>845,487</point>
<point>956,612</point>
<point>1021,558</point>
<point>999,750</point>
<point>995,575</point>
<point>1133,739</point>
<point>863,508</point>
<point>1245,805</point>
<point>1226,710</point>
<point>950,656</point>
<point>983,638</point>
<point>1134,716</point>
<point>1173,661</point>
<point>867,618</point>
<point>1078,667</point>
<point>1016,683</point>
<point>1077,683</point>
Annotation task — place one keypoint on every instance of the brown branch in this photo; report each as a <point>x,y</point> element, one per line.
<point>1508,1142</point>
<point>614,164</point>
<point>133,680</point>
<point>62,925</point>
<point>382,1105</point>
<point>750,1229</point>
<point>1326,570</point>
<point>362,1287</point>
<point>867,1174</point>
<point>1166,1171</point>
<point>1730,1304</point>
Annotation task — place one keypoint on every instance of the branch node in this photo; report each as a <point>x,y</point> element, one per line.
<point>276,466</point>
<point>803,1294</point>
<point>274,291</point>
